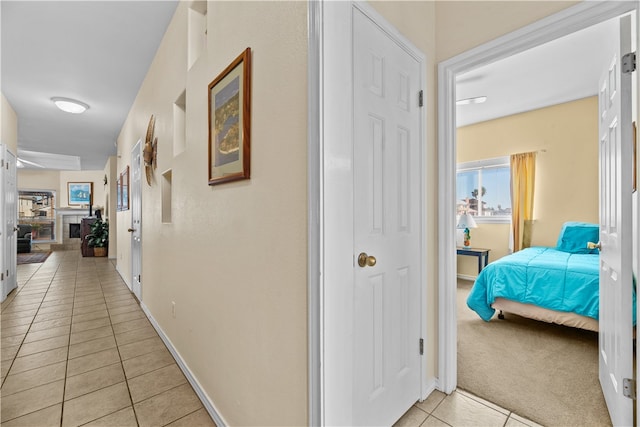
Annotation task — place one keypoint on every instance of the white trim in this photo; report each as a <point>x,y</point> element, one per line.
<point>315,201</point>
<point>467,277</point>
<point>123,277</point>
<point>204,398</point>
<point>333,171</point>
<point>558,25</point>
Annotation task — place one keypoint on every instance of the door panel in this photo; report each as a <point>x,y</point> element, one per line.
<point>386,226</point>
<point>10,221</point>
<point>136,220</point>
<point>615,323</point>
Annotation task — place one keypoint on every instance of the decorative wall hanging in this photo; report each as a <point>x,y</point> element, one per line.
<point>150,150</point>
<point>230,122</point>
<point>80,193</point>
<point>119,193</point>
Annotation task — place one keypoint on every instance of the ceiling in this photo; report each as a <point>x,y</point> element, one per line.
<point>97,52</point>
<point>563,70</point>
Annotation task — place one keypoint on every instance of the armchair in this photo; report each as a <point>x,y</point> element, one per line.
<point>24,238</point>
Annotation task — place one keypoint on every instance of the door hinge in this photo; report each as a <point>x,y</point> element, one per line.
<point>421,346</point>
<point>629,63</point>
<point>139,278</point>
<point>629,388</point>
<point>420,98</point>
<point>2,276</point>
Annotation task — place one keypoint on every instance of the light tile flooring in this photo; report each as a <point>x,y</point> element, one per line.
<point>460,409</point>
<point>78,350</point>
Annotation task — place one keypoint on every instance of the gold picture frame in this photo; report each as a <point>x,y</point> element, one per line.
<point>230,122</point>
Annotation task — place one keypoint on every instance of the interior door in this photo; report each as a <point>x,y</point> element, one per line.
<point>615,337</point>
<point>10,222</point>
<point>386,226</point>
<point>136,220</point>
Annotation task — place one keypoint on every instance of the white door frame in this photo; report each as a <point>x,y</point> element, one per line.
<point>8,225</point>
<point>555,26</point>
<point>135,191</point>
<point>330,206</point>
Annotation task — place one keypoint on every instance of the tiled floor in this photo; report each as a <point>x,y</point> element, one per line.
<point>460,409</point>
<point>78,350</point>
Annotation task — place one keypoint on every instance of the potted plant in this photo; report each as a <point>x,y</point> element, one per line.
<point>99,237</point>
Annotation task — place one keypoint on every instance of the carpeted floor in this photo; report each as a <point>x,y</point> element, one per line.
<point>545,372</point>
<point>32,257</point>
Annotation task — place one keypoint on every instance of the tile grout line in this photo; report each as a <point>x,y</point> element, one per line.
<point>66,368</point>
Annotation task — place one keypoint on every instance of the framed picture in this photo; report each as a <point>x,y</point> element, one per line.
<point>230,122</point>
<point>119,193</point>
<point>124,191</point>
<point>80,193</point>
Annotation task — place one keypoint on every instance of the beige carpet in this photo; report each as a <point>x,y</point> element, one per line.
<point>545,372</point>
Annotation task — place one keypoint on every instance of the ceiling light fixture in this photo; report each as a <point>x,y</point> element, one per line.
<point>467,101</point>
<point>70,105</point>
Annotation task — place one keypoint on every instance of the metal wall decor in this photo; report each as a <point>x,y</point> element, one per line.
<point>150,150</point>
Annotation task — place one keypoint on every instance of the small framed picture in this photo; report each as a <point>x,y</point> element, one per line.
<point>119,194</point>
<point>80,193</point>
<point>124,191</point>
<point>230,122</point>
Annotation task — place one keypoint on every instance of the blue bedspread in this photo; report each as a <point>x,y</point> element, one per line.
<point>541,276</point>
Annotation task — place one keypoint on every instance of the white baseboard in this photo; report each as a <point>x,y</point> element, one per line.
<point>126,281</point>
<point>467,277</point>
<point>204,398</point>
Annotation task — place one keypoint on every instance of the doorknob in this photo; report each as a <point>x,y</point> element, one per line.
<point>366,260</point>
<point>591,245</point>
<point>131,230</point>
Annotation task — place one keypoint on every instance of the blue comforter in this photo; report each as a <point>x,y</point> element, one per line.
<point>541,276</point>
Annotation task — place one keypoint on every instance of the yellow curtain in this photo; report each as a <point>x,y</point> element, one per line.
<point>523,170</point>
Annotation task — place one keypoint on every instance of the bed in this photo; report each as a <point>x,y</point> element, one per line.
<point>557,285</point>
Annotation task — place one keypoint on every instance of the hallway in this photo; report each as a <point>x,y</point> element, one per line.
<point>77,349</point>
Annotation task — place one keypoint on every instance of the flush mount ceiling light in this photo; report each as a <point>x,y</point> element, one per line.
<point>467,101</point>
<point>70,105</point>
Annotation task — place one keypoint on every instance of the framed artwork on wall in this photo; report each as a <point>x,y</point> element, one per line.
<point>124,180</point>
<point>80,193</point>
<point>230,122</point>
<point>119,194</point>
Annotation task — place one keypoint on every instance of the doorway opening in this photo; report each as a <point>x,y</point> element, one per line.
<point>574,19</point>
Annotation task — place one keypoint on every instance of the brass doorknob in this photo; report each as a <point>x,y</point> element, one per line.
<point>366,260</point>
<point>591,245</point>
<point>131,230</point>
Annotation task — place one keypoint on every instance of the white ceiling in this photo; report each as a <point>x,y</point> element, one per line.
<point>97,52</point>
<point>560,71</point>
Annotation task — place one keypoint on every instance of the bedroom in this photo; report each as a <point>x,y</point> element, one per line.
<point>566,189</point>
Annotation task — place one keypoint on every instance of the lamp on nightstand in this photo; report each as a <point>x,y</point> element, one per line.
<point>466,222</point>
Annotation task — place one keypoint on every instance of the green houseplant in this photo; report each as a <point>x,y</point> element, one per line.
<point>99,237</point>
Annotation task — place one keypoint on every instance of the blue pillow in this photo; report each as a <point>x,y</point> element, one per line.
<point>574,236</point>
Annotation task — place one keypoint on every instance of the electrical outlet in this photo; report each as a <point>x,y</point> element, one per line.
<point>173,309</point>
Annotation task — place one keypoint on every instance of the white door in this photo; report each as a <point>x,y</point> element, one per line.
<point>615,340</point>
<point>10,222</point>
<point>386,226</point>
<point>136,220</point>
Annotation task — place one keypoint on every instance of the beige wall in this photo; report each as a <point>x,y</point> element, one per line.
<point>9,123</point>
<point>566,186</point>
<point>463,25</point>
<point>234,257</point>
<point>109,203</point>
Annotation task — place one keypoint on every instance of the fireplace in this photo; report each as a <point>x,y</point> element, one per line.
<point>74,231</point>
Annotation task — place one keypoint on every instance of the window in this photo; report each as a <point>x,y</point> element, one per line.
<point>37,208</point>
<point>484,189</point>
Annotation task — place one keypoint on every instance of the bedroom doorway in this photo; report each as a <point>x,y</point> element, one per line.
<point>576,18</point>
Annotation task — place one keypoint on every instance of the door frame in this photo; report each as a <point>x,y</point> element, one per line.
<point>550,28</point>
<point>8,254</point>
<point>138,193</point>
<point>330,207</point>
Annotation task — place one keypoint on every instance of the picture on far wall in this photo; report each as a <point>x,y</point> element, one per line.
<point>80,193</point>
<point>229,122</point>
